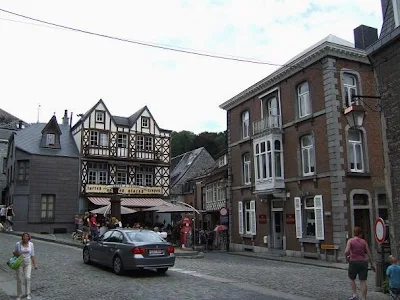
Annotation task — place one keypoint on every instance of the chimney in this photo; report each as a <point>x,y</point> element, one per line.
<point>65,119</point>
<point>365,36</point>
<point>20,123</point>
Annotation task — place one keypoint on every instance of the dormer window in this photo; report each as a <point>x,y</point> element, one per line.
<point>145,122</point>
<point>100,116</point>
<point>50,139</point>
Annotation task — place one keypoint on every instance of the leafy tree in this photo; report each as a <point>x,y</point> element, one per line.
<point>184,141</point>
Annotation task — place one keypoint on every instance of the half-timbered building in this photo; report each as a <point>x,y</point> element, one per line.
<point>132,153</point>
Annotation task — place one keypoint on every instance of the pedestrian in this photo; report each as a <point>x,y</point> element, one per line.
<point>85,228</point>
<point>26,248</point>
<point>393,274</point>
<point>2,214</point>
<point>10,214</point>
<point>94,227</point>
<point>358,253</point>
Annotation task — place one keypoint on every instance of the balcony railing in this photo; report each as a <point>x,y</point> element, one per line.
<point>266,124</point>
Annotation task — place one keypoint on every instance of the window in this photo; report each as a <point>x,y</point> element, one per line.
<point>148,143</point>
<point>303,100</point>
<point>100,116</point>
<point>4,165</point>
<point>356,150</point>
<point>246,169</point>
<point>23,170</point>
<point>97,173</point>
<point>247,217</point>
<point>50,139</point>
<point>103,139</point>
<point>278,158</point>
<point>140,142</point>
<point>309,217</point>
<point>47,207</point>
<point>145,176</point>
<point>223,161</point>
<point>94,138</point>
<point>245,124</point>
<point>122,141</point>
<point>396,11</point>
<point>350,89</point>
<point>260,161</point>
<point>273,112</point>
<point>145,122</point>
<point>122,175</point>
<point>307,155</point>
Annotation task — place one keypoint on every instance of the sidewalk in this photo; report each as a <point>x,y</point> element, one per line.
<point>66,239</point>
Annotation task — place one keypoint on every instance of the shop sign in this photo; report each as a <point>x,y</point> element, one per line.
<point>126,190</point>
<point>290,219</point>
<point>262,219</point>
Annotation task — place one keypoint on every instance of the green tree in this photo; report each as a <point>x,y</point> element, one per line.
<point>181,142</point>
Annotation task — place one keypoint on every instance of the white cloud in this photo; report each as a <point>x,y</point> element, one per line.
<point>61,69</point>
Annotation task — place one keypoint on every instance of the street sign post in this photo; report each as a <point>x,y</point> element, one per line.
<point>380,231</point>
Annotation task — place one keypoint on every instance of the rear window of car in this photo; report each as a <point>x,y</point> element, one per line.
<point>144,236</point>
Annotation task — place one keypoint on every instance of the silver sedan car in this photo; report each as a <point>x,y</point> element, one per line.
<point>128,249</point>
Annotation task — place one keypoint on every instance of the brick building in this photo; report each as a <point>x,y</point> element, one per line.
<point>385,58</point>
<point>299,176</point>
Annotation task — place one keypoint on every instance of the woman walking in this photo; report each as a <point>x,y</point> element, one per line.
<point>358,253</point>
<point>25,247</point>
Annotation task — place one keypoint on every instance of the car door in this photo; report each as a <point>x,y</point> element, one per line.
<point>112,245</point>
<point>97,246</point>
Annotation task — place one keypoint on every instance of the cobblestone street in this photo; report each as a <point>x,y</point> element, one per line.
<point>62,275</point>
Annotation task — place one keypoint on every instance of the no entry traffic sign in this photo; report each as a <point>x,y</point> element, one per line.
<point>380,230</point>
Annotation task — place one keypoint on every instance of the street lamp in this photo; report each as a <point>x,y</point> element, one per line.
<point>355,115</point>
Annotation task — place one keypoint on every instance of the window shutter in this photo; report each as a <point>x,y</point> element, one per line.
<point>319,218</point>
<point>253,223</point>
<point>240,208</point>
<point>297,211</point>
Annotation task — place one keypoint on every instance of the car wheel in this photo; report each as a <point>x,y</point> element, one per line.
<point>162,270</point>
<point>118,266</point>
<point>86,255</point>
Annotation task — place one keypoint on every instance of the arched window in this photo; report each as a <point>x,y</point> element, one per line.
<point>350,89</point>
<point>303,100</point>
<point>273,112</point>
<point>356,151</point>
<point>307,155</point>
<point>245,124</point>
<point>278,158</point>
<point>246,168</point>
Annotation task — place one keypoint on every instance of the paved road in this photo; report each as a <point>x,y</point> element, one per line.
<point>62,275</point>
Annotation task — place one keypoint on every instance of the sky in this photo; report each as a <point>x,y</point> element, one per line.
<point>45,70</point>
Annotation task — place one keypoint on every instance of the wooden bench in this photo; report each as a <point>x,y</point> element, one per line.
<point>334,248</point>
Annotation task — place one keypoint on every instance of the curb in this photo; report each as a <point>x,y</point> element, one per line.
<point>187,255</point>
<point>309,263</point>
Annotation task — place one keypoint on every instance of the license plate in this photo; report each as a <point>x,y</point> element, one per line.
<point>156,252</point>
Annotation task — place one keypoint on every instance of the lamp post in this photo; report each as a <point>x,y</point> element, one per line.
<point>194,220</point>
<point>115,203</point>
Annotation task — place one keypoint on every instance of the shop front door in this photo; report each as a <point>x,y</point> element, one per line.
<point>278,229</point>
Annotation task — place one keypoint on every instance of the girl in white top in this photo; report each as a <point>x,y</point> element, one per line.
<point>25,247</point>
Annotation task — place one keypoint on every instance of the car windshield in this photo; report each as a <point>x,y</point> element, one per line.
<point>144,236</point>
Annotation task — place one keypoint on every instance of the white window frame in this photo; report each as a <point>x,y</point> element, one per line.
<point>103,139</point>
<point>396,12</point>
<point>100,116</point>
<point>246,168</point>
<point>121,175</point>
<point>145,122</point>
<point>245,124</point>
<point>140,142</point>
<point>260,161</point>
<point>50,139</point>
<point>273,112</point>
<point>247,217</point>
<point>94,138</point>
<point>148,143</point>
<point>308,150</point>
<point>278,159</point>
<point>144,176</point>
<point>47,206</point>
<point>300,207</point>
<point>353,145</point>
<point>350,90</point>
<point>122,140</point>
<point>303,100</point>
<point>97,173</point>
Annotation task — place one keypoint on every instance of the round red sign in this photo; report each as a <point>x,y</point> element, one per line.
<point>223,211</point>
<point>380,230</point>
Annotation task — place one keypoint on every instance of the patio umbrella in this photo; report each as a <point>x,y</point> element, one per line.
<point>220,228</point>
<point>107,209</point>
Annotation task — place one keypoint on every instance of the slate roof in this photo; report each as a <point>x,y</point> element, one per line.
<point>28,140</point>
<point>5,134</point>
<point>388,18</point>
<point>6,117</point>
<point>189,165</point>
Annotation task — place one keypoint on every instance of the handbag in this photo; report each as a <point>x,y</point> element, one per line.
<point>15,261</point>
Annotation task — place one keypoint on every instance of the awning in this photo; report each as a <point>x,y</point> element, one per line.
<point>132,202</point>
<point>143,202</point>
<point>99,200</point>
<point>172,208</point>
